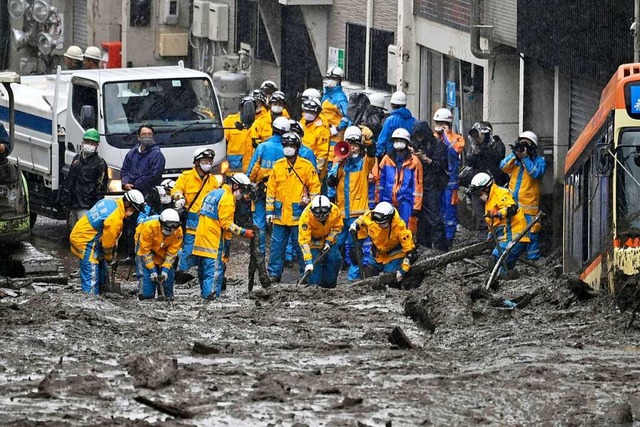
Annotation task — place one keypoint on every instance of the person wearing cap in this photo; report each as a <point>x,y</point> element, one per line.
<point>91,58</point>
<point>73,58</point>
<point>268,88</point>
<point>375,114</point>
<point>278,105</point>
<point>400,117</point>
<point>334,107</point>
<point>526,168</point>
<point>316,134</point>
<point>192,186</point>
<point>93,238</point>
<point>87,180</point>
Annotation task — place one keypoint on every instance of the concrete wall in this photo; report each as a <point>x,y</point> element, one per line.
<point>501,100</point>
<point>452,13</point>
<point>385,17</point>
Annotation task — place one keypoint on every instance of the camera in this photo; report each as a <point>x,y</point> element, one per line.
<point>518,147</point>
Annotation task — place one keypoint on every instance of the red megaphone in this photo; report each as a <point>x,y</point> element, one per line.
<point>342,150</point>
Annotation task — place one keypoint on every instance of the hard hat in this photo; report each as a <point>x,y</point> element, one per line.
<point>321,207</point>
<point>479,181</point>
<point>377,99</point>
<point>530,136</point>
<point>93,52</point>
<point>383,212</point>
<point>268,85</point>
<point>335,72</point>
<point>401,133</point>
<point>291,138</point>
<point>278,97</point>
<point>74,52</point>
<point>242,181</point>
<point>312,104</point>
<point>135,199</point>
<point>168,183</point>
<point>353,134</point>
<point>296,128</point>
<point>92,135</point>
<point>480,128</point>
<point>398,98</point>
<point>281,125</point>
<point>443,115</point>
<point>170,219</point>
<point>258,96</point>
<point>311,93</point>
<point>203,153</point>
<point>246,99</point>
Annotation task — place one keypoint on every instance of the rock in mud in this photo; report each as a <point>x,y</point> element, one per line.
<point>271,389</point>
<point>349,402</point>
<point>398,338</point>
<point>54,385</point>
<point>151,370</point>
<point>619,414</point>
<point>204,349</point>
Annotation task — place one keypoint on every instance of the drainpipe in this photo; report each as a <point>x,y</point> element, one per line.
<point>476,17</point>
<point>367,44</point>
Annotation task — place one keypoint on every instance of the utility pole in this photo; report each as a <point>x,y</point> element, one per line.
<point>636,32</point>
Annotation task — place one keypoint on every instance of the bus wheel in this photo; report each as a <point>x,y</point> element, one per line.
<point>33,216</point>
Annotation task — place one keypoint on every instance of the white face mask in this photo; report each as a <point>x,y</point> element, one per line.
<point>309,116</point>
<point>483,197</point>
<point>205,168</point>
<point>165,199</point>
<point>399,145</point>
<point>166,231</point>
<point>384,224</point>
<point>277,109</point>
<point>89,148</point>
<point>438,129</point>
<point>329,83</point>
<point>289,151</point>
<point>237,194</point>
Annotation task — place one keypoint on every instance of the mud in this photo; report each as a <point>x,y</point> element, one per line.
<point>295,355</point>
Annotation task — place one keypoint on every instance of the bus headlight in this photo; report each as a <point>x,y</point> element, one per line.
<point>114,184</point>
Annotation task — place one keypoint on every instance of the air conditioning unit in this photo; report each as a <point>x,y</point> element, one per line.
<point>200,26</point>
<point>218,22</point>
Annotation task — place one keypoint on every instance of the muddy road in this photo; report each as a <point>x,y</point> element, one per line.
<point>293,355</point>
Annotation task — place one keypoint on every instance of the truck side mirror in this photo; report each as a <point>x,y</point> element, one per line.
<point>248,114</point>
<point>87,117</point>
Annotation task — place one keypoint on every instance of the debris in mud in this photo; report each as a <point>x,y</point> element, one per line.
<point>270,388</point>
<point>348,402</point>
<point>54,385</point>
<point>618,414</point>
<point>204,349</point>
<point>151,370</point>
<point>398,338</point>
<point>167,408</point>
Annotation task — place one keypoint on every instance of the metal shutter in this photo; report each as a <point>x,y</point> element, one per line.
<point>80,23</point>
<point>585,98</point>
<point>503,16</point>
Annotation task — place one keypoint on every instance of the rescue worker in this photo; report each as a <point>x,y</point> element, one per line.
<point>277,105</point>
<point>259,171</point>
<point>261,128</point>
<point>392,243</point>
<point>239,146</point>
<point>73,58</point>
<point>157,243</point>
<point>311,93</point>
<point>334,107</point>
<point>348,183</point>
<point>160,199</point>
<point>94,237</point>
<point>291,186</point>
<point>86,182</point>
<point>268,88</point>
<point>400,117</point>
<point>193,185</point>
<point>399,177</point>
<point>433,156</point>
<point>320,225</point>
<point>502,211</point>
<point>443,119</point>
<point>526,168</point>
<point>375,114</point>
<point>215,228</point>
<point>5,144</point>
<point>316,134</point>
<point>91,58</point>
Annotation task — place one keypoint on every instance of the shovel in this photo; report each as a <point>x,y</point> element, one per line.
<point>160,286</point>
<point>492,231</point>
<point>306,274</point>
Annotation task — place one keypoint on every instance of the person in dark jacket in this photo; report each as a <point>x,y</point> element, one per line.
<point>141,170</point>
<point>487,151</point>
<point>433,156</point>
<point>86,183</point>
<point>5,144</point>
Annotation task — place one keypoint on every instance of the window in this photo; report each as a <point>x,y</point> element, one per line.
<point>355,69</point>
<point>84,97</point>
<point>251,30</point>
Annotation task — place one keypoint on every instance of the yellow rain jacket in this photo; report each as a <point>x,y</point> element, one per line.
<point>332,116</point>
<point>316,137</point>
<point>388,243</point>
<point>188,184</point>
<point>313,233</point>
<point>95,234</point>
<point>216,224</point>
<point>239,146</point>
<point>154,247</point>
<point>261,129</point>
<point>500,200</point>
<point>354,175</point>
<point>285,189</point>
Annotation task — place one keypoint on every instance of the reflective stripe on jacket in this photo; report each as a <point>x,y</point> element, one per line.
<point>397,184</point>
<point>525,178</point>
<point>154,247</point>
<point>188,184</point>
<point>313,233</point>
<point>96,233</point>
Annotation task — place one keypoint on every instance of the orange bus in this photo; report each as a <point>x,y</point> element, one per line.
<point>602,188</point>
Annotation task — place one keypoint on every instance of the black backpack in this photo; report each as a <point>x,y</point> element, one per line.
<point>358,103</point>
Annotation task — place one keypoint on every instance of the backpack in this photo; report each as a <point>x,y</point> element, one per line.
<point>358,103</point>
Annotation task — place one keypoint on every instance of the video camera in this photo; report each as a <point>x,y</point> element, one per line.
<point>518,147</point>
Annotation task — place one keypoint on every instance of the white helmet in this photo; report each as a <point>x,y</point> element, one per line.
<point>168,183</point>
<point>135,199</point>
<point>268,85</point>
<point>241,180</point>
<point>377,99</point>
<point>353,134</point>
<point>401,133</point>
<point>93,52</point>
<point>74,52</point>
<point>443,115</point>
<point>321,207</point>
<point>203,152</point>
<point>312,104</point>
<point>281,125</point>
<point>398,98</point>
<point>479,181</point>
<point>311,93</point>
<point>530,136</point>
<point>335,72</point>
<point>383,212</point>
<point>170,220</point>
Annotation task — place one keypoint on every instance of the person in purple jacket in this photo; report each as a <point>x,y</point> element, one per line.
<point>141,170</point>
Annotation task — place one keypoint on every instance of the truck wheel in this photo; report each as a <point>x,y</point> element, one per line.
<point>32,219</point>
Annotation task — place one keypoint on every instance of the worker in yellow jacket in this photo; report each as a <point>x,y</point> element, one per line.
<point>316,134</point>
<point>334,107</point>
<point>192,186</point>
<point>94,238</point>
<point>239,146</point>
<point>320,225</point>
<point>291,186</point>
<point>392,248</point>
<point>157,243</point>
<point>213,235</point>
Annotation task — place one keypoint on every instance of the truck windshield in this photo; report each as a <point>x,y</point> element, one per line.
<point>628,183</point>
<point>168,105</point>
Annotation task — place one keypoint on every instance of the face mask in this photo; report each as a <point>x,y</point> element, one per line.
<point>289,151</point>
<point>399,146</point>
<point>165,199</point>
<point>129,212</point>
<point>329,83</point>
<point>483,197</point>
<point>166,231</point>
<point>309,116</point>
<point>237,194</point>
<point>89,148</point>
<point>146,141</point>
<point>384,224</point>
<point>205,168</point>
<point>438,129</point>
<point>355,155</point>
<point>277,109</point>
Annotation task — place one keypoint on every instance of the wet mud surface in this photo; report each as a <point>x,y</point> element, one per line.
<point>294,355</point>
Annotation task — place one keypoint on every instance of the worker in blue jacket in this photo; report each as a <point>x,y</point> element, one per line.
<point>400,117</point>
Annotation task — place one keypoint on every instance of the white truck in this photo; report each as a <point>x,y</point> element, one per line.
<point>54,111</point>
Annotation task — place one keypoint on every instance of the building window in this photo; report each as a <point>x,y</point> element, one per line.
<point>251,30</point>
<point>380,41</point>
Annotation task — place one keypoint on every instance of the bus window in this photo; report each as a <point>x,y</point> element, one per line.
<point>628,183</point>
